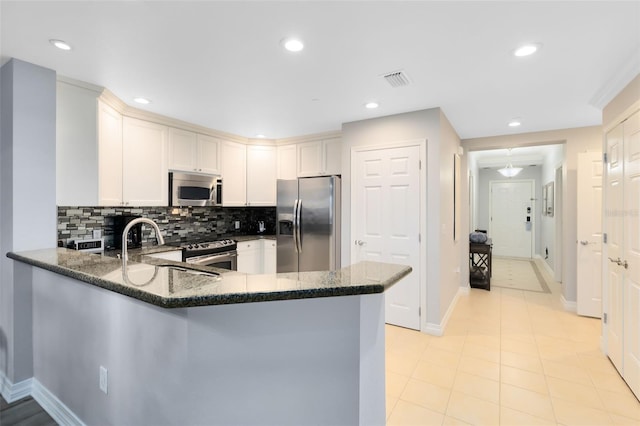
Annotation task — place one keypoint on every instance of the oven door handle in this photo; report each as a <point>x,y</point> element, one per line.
<point>208,259</point>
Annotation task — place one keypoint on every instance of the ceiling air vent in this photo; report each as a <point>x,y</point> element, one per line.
<point>397,78</point>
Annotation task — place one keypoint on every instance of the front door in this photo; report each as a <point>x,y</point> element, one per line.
<point>589,271</point>
<point>386,223</point>
<point>512,218</point>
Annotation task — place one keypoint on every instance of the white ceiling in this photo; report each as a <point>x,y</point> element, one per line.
<point>519,156</point>
<point>220,64</point>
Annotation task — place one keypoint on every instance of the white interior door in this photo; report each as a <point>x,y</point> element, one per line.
<point>614,274</point>
<point>512,218</point>
<point>386,223</point>
<point>589,218</point>
<point>631,252</point>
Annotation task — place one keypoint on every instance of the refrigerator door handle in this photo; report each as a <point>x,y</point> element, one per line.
<point>297,227</point>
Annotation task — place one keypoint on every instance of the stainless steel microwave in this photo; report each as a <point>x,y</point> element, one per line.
<point>194,189</point>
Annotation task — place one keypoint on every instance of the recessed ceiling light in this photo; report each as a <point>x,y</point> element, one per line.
<point>527,49</point>
<point>62,45</point>
<point>143,101</point>
<point>292,44</point>
<point>514,123</point>
<point>371,105</point>
<point>260,136</point>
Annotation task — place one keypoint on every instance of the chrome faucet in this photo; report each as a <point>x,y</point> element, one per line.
<point>128,228</point>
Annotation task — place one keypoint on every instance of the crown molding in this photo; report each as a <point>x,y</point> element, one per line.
<point>619,81</point>
<point>310,138</point>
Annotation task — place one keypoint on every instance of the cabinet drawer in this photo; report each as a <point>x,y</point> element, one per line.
<point>248,245</point>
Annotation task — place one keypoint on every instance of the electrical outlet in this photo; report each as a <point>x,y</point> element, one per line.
<point>237,224</point>
<point>104,379</point>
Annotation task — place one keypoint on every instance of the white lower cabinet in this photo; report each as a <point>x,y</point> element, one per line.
<point>175,255</point>
<point>250,257</point>
<point>257,256</point>
<point>269,257</point>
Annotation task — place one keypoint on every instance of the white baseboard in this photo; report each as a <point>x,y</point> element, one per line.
<point>48,401</point>
<point>546,266</point>
<point>13,392</point>
<point>53,406</point>
<point>568,306</point>
<point>438,329</point>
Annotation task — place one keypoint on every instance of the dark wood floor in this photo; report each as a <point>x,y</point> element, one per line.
<point>25,412</point>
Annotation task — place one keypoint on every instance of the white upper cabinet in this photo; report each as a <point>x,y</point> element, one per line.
<point>183,150</point>
<point>287,162</point>
<point>208,159</point>
<point>193,152</point>
<point>234,173</point>
<point>319,158</point>
<point>109,156</point>
<point>332,152</point>
<point>261,176</point>
<point>86,128</point>
<point>144,163</point>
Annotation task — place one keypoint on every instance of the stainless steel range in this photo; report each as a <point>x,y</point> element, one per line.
<point>219,254</point>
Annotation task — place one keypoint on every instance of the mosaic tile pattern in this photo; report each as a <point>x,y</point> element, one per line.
<point>177,224</point>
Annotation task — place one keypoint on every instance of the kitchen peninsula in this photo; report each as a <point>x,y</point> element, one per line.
<point>294,348</point>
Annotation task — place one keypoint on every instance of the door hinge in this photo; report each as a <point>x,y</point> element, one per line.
<point>419,164</point>
<point>419,238</point>
<point>604,317</point>
<point>419,311</point>
<point>605,158</point>
<point>604,238</point>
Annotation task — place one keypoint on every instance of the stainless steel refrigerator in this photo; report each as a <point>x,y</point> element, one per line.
<point>308,230</point>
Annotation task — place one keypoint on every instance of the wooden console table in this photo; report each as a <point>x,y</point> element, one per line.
<point>480,265</point>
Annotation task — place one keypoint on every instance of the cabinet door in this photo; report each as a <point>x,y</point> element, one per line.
<point>310,157</point>
<point>144,158</point>
<point>109,156</point>
<point>175,255</point>
<point>269,257</point>
<point>76,145</point>
<point>182,150</point>
<point>287,168</point>
<point>234,174</point>
<point>332,156</point>
<point>208,154</point>
<point>261,175</point>
<point>250,257</point>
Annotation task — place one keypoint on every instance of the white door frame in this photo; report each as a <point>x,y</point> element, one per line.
<point>558,263</point>
<point>422,144</point>
<point>533,208</point>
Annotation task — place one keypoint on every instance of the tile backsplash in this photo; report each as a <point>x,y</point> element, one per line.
<point>176,223</point>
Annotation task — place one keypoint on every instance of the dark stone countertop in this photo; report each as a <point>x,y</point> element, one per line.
<point>169,288</point>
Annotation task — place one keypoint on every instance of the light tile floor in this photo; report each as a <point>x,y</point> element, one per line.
<point>508,357</point>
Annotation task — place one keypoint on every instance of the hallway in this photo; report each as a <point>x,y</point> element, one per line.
<point>509,357</point>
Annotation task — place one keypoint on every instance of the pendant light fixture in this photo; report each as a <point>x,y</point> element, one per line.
<point>509,171</point>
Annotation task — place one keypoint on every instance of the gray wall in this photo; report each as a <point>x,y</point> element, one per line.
<point>28,195</point>
<point>229,364</point>
<point>446,265</point>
